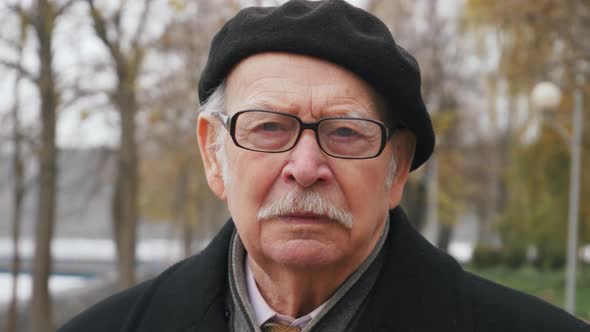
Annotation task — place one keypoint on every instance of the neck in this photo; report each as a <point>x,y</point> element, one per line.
<point>295,293</point>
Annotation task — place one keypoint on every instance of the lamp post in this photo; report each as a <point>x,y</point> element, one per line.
<point>547,96</point>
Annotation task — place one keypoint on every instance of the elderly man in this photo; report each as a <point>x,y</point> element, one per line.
<point>311,121</point>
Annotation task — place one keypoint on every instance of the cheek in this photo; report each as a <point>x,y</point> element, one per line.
<point>251,178</point>
<point>365,189</point>
<point>368,200</point>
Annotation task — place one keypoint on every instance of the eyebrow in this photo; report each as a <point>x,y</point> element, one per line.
<point>350,114</point>
<point>354,115</point>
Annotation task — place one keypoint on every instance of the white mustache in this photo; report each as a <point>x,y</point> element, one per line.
<point>307,202</point>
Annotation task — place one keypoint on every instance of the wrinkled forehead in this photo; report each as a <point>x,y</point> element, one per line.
<point>294,82</point>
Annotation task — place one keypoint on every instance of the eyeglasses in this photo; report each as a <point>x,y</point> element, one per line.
<point>274,132</point>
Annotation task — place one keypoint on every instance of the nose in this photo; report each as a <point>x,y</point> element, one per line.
<point>307,165</point>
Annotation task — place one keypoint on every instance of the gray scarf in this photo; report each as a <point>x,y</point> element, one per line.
<point>340,312</point>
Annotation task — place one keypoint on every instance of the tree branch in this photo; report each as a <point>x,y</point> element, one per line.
<point>78,94</point>
<point>116,19</point>
<point>100,27</point>
<point>20,11</point>
<point>11,43</point>
<point>64,7</point>
<point>141,26</point>
<point>20,70</point>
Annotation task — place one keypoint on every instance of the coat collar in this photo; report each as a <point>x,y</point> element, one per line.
<point>419,286</point>
<point>190,296</point>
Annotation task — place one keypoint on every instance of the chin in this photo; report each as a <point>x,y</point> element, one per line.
<point>304,254</point>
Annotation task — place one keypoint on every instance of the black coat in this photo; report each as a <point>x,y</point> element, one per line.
<point>419,289</point>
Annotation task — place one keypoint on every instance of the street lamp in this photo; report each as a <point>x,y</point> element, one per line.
<point>546,96</point>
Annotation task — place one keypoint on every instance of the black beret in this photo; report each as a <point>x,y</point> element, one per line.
<point>335,31</point>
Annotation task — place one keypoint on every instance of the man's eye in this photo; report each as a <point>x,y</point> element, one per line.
<point>271,126</point>
<point>345,132</point>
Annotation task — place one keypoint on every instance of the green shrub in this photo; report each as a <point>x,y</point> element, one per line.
<point>486,256</point>
<point>514,257</point>
<point>550,259</point>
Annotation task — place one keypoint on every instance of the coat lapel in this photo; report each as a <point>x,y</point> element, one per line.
<point>418,289</point>
<point>191,295</point>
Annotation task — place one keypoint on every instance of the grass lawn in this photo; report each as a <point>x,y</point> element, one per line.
<point>545,284</point>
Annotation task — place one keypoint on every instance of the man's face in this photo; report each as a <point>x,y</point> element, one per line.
<point>310,89</point>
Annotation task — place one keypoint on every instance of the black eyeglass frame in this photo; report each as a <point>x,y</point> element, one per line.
<point>229,122</point>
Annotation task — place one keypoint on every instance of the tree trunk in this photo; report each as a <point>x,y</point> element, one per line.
<point>18,194</point>
<point>126,186</point>
<point>12,312</point>
<point>41,311</point>
<point>495,206</point>
<point>445,236</point>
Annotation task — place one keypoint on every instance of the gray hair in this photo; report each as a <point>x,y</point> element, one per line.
<point>216,103</point>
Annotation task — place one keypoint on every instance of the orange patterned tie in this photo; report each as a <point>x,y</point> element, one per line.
<point>274,327</point>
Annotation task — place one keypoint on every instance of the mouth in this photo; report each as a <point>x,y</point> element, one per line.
<point>305,217</point>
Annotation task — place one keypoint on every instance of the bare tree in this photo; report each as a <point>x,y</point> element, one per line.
<point>19,186</point>
<point>174,186</point>
<point>41,16</point>
<point>43,19</point>
<point>127,58</point>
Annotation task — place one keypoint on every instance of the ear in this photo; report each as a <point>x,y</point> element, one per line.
<point>404,147</point>
<point>206,130</point>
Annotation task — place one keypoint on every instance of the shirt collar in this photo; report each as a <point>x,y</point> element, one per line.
<point>263,312</point>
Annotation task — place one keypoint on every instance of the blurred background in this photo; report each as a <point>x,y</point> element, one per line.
<point>101,184</point>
